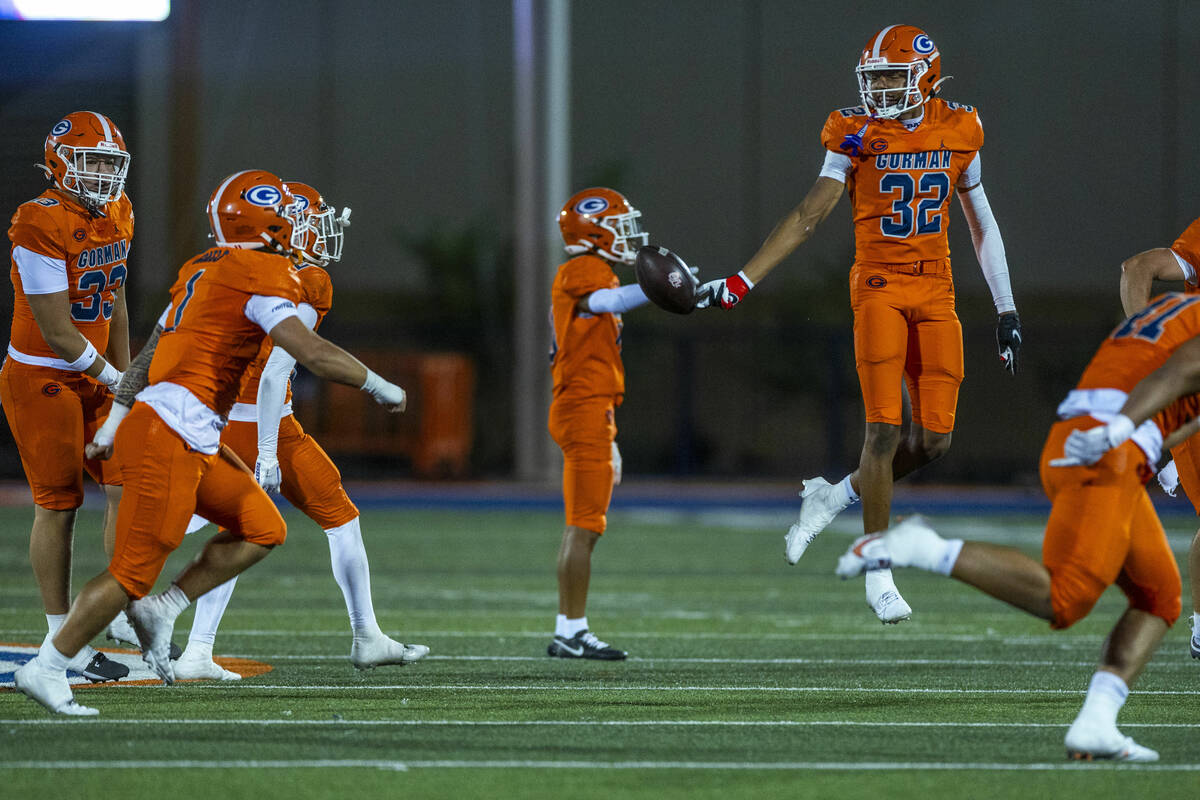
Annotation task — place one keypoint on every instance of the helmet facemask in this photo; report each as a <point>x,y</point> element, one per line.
<point>328,231</point>
<point>890,102</point>
<point>628,236</point>
<point>95,174</point>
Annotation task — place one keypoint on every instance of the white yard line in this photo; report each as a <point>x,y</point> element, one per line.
<point>849,766</point>
<point>460,687</point>
<point>658,723</point>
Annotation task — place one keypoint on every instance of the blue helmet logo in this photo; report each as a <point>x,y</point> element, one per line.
<point>264,195</point>
<point>923,45</point>
<point>301,202</point>
<point>62,127</point>
<point>591,205</point>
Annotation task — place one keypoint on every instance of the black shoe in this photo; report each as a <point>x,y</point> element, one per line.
<point>1195,647</point>
<point>584,645</point>
<point>176,652</point>
<point>102,668</point>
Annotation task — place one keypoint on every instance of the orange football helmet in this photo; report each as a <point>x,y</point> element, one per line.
<point>602,220</point>
<point>898,48</point>
<point>85,156</point>
<point>254,208</point>
<point>325,228</point>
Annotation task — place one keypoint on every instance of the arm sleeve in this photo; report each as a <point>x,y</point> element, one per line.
<point>1189,272</point>
<point>267,312</point>
<point>989,247</point>
<point>40,274</point>
<point>837,166</point>
<point>616,301</point>
<point>272,389</point>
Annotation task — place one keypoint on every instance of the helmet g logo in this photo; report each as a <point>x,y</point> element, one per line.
<point>62,127</point>
<point>301,202</point>
<point>923,45</point>
<point>264,195</point>
<point>591,205</point>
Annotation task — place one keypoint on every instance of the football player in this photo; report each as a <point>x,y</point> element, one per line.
<point>1176,263</point>
<point>900,155</point>
<point>68,346</point>
<point>262,431</point>
<point>170,408</point>
<point>1137,396</point>
<point>600,230</point>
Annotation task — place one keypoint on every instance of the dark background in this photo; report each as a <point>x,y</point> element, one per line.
<point>707,116</point>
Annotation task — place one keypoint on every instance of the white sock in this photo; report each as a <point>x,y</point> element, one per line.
<point>210,607</point>
<point>574,626</point>
<point>50,658</point>
<point>1105,696</point>
<point>348,557</point>
<point>879,581</point>
<point>851,495</point>
<point>54,622</point>
<point>560,625</point>
<point>924,549</point>
<point>175,600</point>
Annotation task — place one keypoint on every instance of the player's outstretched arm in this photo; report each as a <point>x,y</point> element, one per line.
<point>133,381</point>
<point>613,301</point>
<point>788,234</point>
<point>989,250</point>
<point>52,313</point>
<point>1139,273</point>
<point>328,361</point>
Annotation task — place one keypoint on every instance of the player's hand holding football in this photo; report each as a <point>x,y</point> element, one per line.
<point>266,472</point>
<point>1084,448</point>
<point>1008,340</point>
<point>724,293</point>
<point>387,394</point>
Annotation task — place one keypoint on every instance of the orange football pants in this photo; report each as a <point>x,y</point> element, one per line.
<point>311,482</point>
<point>1103,530</point>
<point>585,430</point>
<point>1187,462</point>
<point>52,413</point>
<point>905,329</point>
<point>165,482</point>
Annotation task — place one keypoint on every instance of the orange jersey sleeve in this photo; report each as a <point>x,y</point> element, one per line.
<point>317,291</point>
<point>208,341</point>
<point>93,250</point>
<point>1187,247</point>
<point>901,184</point>
<point>585,359</point>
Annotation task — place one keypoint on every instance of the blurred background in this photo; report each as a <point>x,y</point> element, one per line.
<point>457,129</point>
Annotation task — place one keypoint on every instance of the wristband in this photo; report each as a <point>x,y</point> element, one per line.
<point>1120,428</point>
<point>86,359</point>
<point>745,279</point>
<point>110,376</point>
<point>108,431</point>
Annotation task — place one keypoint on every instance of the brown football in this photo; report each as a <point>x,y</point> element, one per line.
<point>665,279</point>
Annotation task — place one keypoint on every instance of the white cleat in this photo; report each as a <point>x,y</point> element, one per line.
<point>1086,743</point>
<point>822,502</point>
<point>50,689</point>
<point>890,607</point>
<point>866,553</point>
<point>154,625</point>
<point>121,631</point>
<point>193,666</point>
<point>381,650</point>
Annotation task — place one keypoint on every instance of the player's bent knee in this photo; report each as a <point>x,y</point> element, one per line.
<point>1073,594</point>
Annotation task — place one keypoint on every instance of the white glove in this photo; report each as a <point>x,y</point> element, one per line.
<point>111,377</point>
<point>616,462</point>
<point>1168,478</point>
<point>266,472</point>
<point>1084,448</point>
<point>389,395</point>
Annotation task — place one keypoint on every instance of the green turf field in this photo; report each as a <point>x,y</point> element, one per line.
<point>746,679</point>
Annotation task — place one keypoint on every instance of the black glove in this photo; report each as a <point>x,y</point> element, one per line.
<point>1008,340</point>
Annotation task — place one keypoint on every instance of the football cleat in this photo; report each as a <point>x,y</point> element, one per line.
<point>584,645</point>
<point>50,689</point>
<point>890,607</point>
<point>822,502</point>
<point>1085,743</point>
<point>192,666</point>
<point>866,553</point>
<point>382,651</point>
<point>121,632</point>
<point>154,625</point>
<point>1195,646</point>
<point>101,668</point>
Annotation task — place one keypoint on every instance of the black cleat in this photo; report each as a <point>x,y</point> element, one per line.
<point>176,652</point>
<point>102,668</point>
<point>1195,647</point>
<point>584,645</point>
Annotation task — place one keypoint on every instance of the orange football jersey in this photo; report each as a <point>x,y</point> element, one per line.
<point>900,186</point>
<point>317,291</point>
<point>95,250</point>
<point>1141,344</point>
<point>1188,248</point>
<point>207,341</point>
<point>585,359</point>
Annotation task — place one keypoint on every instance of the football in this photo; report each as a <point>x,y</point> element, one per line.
<point>666,279</point>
